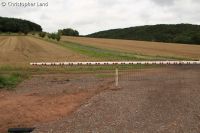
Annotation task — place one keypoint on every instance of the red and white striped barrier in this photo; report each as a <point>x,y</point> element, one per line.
<point>115,63</point>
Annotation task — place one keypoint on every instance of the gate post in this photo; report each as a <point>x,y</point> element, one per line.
<point>116,77</point>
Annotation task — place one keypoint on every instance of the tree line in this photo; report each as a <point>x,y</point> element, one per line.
<point>57,35</point>
<point>175,33</point>
<point>14,25</point>
<point>69,32</point>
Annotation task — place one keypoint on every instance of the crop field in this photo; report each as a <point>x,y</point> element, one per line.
<point>140,47</point>
<point>148,98</point>
<point>21,50</point>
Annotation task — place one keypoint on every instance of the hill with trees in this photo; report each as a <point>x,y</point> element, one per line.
<point>14,25</point>
<point>174,33</point>
<point>69,32</point>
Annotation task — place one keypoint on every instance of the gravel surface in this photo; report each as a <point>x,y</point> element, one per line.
<point>154,101</point>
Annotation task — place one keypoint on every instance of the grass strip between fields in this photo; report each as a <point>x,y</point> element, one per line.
<point>69,69</point>
<point>106,55</point>
<point>110,55</point>
<point>115,55</point>
<point>10,77</point>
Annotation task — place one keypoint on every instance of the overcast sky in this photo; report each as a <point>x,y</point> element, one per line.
<point>88,16</point>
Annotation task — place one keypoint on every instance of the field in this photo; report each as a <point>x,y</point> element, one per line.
<point>140,47</point>
<point>149,99</point>
<point>20,51</point>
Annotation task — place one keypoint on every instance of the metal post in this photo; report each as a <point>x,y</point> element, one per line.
<point>116,77</point>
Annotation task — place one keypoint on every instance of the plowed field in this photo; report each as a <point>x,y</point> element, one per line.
<point>21,50</point>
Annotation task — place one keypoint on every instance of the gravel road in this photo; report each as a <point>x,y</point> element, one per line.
<point>155,101</point>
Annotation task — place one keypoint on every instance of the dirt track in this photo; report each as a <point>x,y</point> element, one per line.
<point>46,98</point>
<point>21,50</point>
<point>155,101</point>
<point>140,47</point>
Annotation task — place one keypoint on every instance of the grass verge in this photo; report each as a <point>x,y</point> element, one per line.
<point>105,75</point>
<point>68,69</point>
<point>10,81</point>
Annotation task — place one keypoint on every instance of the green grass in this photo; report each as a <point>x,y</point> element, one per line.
<point>116,55</point>
<point>105,75</point>
<point>69,69</point>
<point>10,81</point>
<point>104,54</point>
<point>109,55</point>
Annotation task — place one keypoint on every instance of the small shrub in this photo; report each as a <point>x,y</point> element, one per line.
<point>54,36</point>
<point>58,37</point>
<point>20,33</point>
<point>2,82</point>
<point>42,34</point>
<point>25,33</point>
<point>49,36</point>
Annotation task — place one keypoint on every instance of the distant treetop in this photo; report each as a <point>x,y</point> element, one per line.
<point>18,25</point>
<point>69,32</point>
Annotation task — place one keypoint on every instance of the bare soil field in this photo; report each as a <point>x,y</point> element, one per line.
<point>140,47</point>
<point>163,100</point>
<point>21,50</point>
<point>46,98</point>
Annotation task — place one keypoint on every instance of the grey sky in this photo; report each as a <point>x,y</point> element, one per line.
<point>88,16</point>
<point>164,2</point>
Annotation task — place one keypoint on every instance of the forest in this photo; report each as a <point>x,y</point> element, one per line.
<point>13,25</point>
<point>174,33</point>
